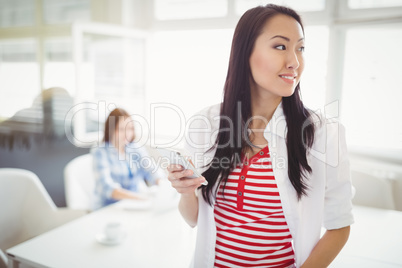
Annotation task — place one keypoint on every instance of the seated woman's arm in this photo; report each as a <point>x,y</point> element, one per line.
<point>105,187</point>
<point>120,193</point>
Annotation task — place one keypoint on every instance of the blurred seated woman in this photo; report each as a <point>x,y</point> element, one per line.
<point>123,170</point>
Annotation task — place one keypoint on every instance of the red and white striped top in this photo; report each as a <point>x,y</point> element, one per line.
<point>250,224</point>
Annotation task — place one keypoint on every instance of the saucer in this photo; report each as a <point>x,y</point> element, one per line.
<point>101,238</point>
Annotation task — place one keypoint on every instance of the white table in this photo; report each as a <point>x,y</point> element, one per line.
<point>158,239</point>
<point>154,239</point>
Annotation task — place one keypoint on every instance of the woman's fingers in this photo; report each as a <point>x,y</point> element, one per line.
<point>185,182</point>
<point>178,177</point>
<point>174,167</point>
<point>187,185</point>
<point>175,175</point>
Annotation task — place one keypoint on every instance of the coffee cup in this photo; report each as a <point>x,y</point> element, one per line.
<point>113,230</point>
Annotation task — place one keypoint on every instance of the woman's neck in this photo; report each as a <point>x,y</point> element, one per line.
<point>119,147</point>
<point>263,107</point>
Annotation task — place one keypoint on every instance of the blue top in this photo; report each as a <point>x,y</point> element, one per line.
<point>128,172</point>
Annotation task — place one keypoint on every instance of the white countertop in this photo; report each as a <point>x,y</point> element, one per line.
<point>154,239</point>
<point>161,238</point>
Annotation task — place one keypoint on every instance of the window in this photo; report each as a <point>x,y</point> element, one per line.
<point>371,92</point>
<point>61,11</point>
<point>313,82</point>
<point>115,65</point>
<point>59,68</point>
<point>302,6</point>
<point>356,4</point>
<point>110,63</point>
<point>189,9</point>
<point>17,13</point>
<point>19,76</point>
<point>188,71</point>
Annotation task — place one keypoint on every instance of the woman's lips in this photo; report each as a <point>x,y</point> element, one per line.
<point>290,79</point>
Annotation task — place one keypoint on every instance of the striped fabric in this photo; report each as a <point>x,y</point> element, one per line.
<point>251,227</point>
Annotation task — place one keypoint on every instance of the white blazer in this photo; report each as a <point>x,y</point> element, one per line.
<point>328,203</point>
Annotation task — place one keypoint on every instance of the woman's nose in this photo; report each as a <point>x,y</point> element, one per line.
<point>293,61</point>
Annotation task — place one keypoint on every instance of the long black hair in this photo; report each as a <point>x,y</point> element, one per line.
<point>236,106</point>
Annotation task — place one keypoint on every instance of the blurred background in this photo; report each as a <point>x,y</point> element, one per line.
<point>64,64</point>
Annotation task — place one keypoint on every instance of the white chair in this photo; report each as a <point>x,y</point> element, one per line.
<point>3,259</point>
<point>26,209</point>
<point>373,191</point>
<point>79,183</point>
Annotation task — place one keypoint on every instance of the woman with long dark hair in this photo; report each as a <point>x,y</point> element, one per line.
<point>276,171</point>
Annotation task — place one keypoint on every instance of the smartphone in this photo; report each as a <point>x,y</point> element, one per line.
<point>176,158</point>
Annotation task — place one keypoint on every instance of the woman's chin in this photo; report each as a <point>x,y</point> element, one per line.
<point>287,93</point>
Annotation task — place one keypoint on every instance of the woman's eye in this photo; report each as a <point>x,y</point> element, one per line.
<point>301,49</point>
<point>281,47</point>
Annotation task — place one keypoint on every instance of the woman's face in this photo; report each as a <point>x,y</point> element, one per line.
<point>125,131</point>
<point>276,61</point>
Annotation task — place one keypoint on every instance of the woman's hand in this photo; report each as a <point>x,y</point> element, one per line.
<point>178,177</point>
<point>188,205</point>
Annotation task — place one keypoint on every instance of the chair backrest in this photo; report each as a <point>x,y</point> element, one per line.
<point>373,191</point>
<point>79,183</point>
<point>25,206</point>
<point>3,260</point>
